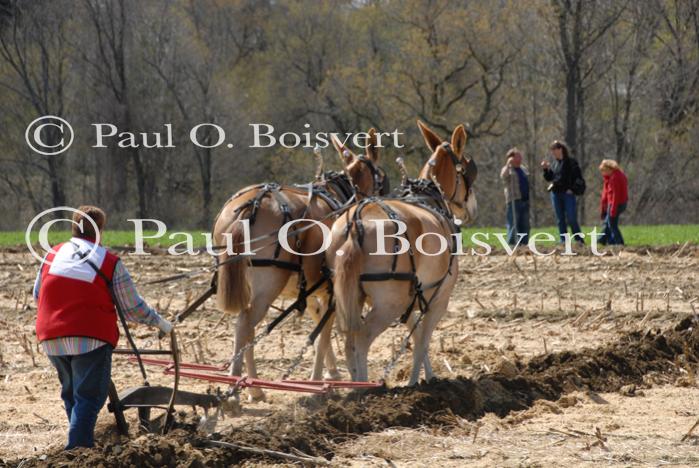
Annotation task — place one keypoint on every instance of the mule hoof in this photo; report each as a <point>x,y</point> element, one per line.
<point>255,395</point>
<point>231,407</point>
<point>333,375</point>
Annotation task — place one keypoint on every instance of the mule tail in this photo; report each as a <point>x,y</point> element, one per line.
<point>348,291</point>
<point>234,291</point>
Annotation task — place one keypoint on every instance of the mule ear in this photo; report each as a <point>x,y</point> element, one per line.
<point>431,138</point>
<point>458,140</point>
<point>346,155</point>
<point>372,151</point>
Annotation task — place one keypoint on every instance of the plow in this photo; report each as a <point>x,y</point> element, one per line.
<point>211,373</point>
<point>146,397</point>
<point>247,204</point>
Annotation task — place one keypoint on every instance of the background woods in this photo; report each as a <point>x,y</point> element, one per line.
<point>616,79</point>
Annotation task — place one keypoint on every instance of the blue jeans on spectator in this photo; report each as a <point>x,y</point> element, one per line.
<point>521,213</point>
<point>612,234</point>
<point>564,205</point>
<point>85,385</point>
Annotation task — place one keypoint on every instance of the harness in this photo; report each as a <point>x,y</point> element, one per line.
<point>461,174</point>
<point>426,195</point>
<point>378,177</point>
<point>273,190</point>
<point>335,183</point>
<point>335,191</point>
<point>338,192</point>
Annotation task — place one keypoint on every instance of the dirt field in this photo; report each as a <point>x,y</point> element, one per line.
<point>546,361</point>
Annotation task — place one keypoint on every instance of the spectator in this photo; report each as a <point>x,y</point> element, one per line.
<point>615,196</point>
<point>516,180</point>
<point>566,182</point>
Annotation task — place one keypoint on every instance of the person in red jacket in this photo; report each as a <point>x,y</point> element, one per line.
<point>77,289</point>
<point>615,196</point>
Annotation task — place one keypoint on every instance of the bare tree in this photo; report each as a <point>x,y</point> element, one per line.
<point>618,78</point>
<point>580,24</point>
<point>450,68</point>
<point>33,44</point>
<point>629,44</point>
<point>677,83</point>
<point>219,39</point>
<point>109,64</point>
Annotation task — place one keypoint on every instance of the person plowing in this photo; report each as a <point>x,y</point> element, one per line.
<point>77,289</point>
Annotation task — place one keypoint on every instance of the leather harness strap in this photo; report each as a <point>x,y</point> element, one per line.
<point>344,192</point>
<point>275,191</point>
<point>271,262</point>
<point>423,194</point>
<point>378,177</point>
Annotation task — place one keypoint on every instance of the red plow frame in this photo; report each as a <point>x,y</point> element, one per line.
<point>217,374</point>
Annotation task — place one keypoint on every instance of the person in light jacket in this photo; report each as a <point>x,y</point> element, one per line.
<point>516,179</point>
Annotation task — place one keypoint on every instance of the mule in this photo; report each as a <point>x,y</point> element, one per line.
<point>399,286</point>
<point>248,288</point>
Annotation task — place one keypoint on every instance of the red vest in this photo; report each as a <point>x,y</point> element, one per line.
<point>73,299</point>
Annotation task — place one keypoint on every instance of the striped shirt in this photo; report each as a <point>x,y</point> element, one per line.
<point>134,307</point>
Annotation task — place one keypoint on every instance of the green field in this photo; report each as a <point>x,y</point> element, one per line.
<point>110,238</point>
<point>660,235</point>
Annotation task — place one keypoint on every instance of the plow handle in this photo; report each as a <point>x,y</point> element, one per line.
<point>170,415</point>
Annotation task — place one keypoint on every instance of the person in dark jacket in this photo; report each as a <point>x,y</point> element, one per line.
<point>562,173</point>
<point>615,195</point>
<point>516,179</point>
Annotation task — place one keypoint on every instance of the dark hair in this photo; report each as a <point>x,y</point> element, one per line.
<point>82,225</point>
<point>558,144</point>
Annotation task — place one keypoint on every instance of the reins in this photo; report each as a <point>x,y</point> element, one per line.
<point>245,256</point>
<point>343,190</point>
<point>346,190</point>
<point>413,190</point>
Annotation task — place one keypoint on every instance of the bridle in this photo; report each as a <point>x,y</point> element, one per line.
<point>466,172</point>
<point>378,177</point>
<point>340,184</point>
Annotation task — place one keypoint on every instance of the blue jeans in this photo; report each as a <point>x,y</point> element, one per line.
<point>85,384</point>
<point>521,212</point>
<point>564,205</point>
<point>612,234</point>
